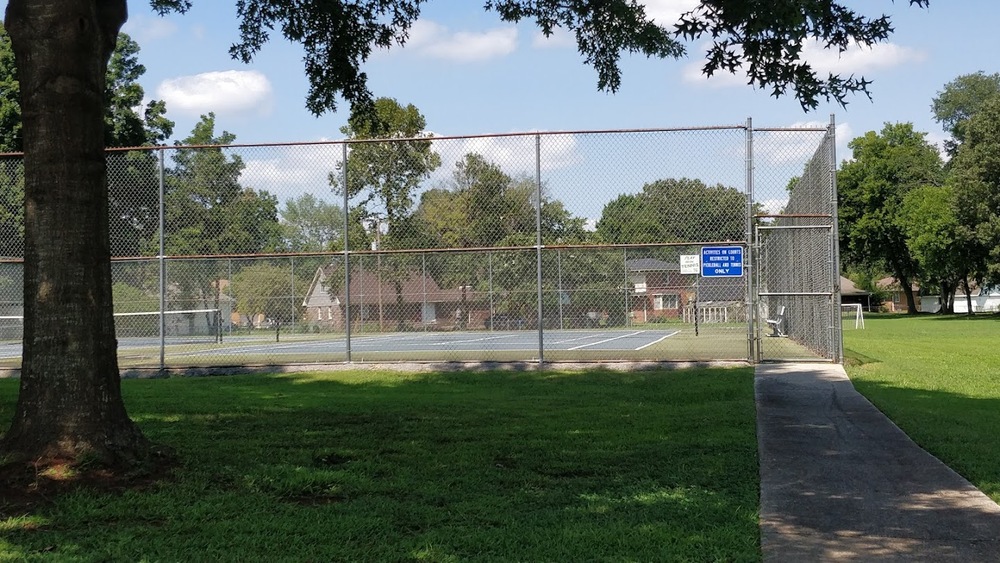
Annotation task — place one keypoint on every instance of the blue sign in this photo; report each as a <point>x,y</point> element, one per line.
<point>722,261</point>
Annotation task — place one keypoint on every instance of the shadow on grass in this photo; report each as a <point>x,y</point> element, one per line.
<point>649,465</point>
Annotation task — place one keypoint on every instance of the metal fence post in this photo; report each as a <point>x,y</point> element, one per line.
<point>347,262</point>
<point>423,285</point>
<point>489,256</point>
<point>748,263</point>
<point>294,310</point>
<point>163,264</point>
<point>538,244</point>
<point>838,334</point>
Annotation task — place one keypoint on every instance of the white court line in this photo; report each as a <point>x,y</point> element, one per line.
<point>657,340</point>
<point>606,340</point>
<point>586,337</point>
<point>484,339</point>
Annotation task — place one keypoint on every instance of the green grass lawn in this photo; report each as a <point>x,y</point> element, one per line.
<point>937,378</point>
<point>384,466</point>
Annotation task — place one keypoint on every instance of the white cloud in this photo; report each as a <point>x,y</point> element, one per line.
<point>431,39</point>
<point>516,155</point>
<point>779,148</point>
<point>855,60</point>
<point>292,171</point>
<point>663,12</point>
<point>146,29</point>
<point>937,139</point>
<point>224,92</point>
<point>668,12</point>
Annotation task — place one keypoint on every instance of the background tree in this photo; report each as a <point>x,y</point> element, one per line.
<point>130,121</point>
<point>311,225</point>
<point>960,100</point>
<point>975,173</point>
<point>265,289</point>
<point>939,244</point>
<point>885,167</point>
<point>675,210</point>
<point>10,97</point>
<point>386,173</point>
<point>70,400</point>
<point>210,213</point>
<point>484,207</point>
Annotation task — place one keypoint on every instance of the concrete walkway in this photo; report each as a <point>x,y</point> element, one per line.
<point>840,482</point>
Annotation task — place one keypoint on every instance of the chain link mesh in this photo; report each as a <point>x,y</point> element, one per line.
<point>517,248</point>
<point>797,262</point>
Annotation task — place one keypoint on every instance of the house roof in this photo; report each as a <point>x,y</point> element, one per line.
<point>890,283</point>
<point>848,289</point>
<point>367,285</point>
<point>649,265</point>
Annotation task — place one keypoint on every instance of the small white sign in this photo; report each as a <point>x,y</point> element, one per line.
<point>690,263</point>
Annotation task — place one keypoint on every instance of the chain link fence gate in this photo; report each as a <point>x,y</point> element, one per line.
<point>798,274</point>
<point>538,247</point>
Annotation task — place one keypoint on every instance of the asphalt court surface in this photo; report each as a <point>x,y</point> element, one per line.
<point>298,344</point>
<point>454,341</point>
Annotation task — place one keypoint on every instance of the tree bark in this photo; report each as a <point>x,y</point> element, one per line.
<point>968,295</point>
<point>70,399</point>
<point>907,287</point>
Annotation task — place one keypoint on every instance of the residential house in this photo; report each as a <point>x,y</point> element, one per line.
<point>380,303</point>
<point>984,300</point>
<point>661,291</point>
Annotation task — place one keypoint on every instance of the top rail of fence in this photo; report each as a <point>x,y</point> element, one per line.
<point>461,137</point>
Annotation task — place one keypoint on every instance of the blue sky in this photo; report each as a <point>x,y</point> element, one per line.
<point>470,73</point>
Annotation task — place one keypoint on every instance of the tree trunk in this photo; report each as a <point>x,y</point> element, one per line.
<point>70,390</point>
<point>947,298</point>
<point>968,295</point>
<point>907,287</point>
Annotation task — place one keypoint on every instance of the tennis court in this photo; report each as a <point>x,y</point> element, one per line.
<point>513,341</point>
<point>269,347</point>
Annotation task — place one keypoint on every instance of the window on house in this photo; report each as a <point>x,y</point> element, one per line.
<point>663,301</point>
<point>329,313</point>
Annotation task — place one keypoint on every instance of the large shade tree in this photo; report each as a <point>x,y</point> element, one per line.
<point>675,210</point>
<point>70,398</point>
<point>885,167</point>
<point>960,100</point>
<point>975,173</point>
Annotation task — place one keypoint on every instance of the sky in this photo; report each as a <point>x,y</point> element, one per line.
<point>470,73</point>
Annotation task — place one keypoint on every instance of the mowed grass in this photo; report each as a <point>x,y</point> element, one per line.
<point>388,466</point>
<point>937,378</point>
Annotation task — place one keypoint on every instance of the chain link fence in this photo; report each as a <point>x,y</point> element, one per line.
<point>539,247</point>
<point>798,266</point>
